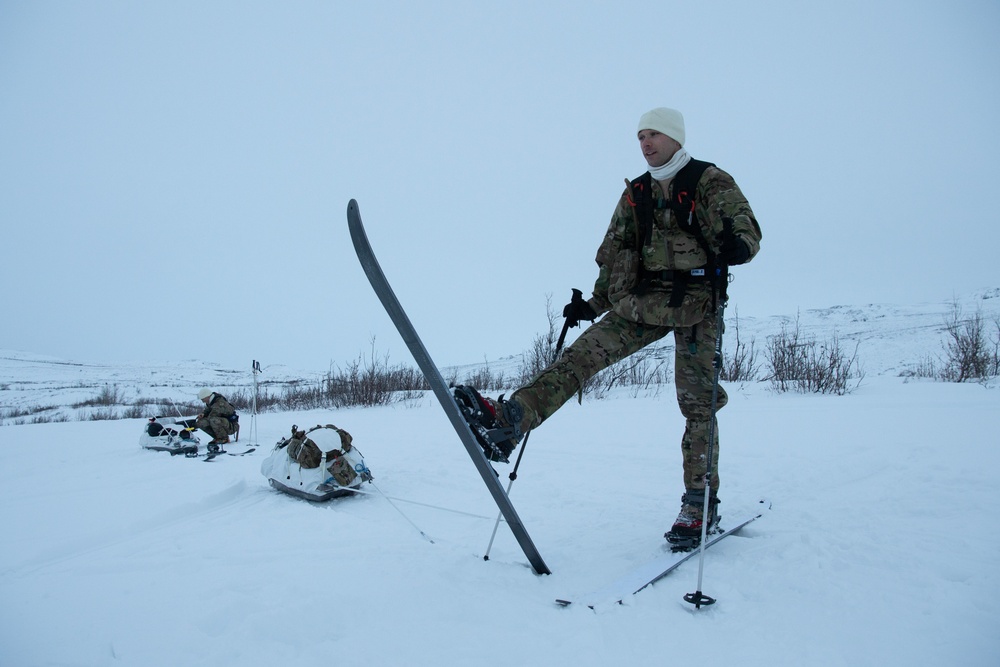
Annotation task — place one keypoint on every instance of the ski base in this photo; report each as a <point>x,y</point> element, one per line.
<point>651,572</point>
<point>438,385</point>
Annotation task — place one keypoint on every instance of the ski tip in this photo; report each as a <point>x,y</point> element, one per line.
<point>352,205</point>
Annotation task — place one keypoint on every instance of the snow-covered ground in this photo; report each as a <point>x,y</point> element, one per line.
<point>882,546</point>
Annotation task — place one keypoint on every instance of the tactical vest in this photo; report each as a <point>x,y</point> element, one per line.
<point>681,200</point>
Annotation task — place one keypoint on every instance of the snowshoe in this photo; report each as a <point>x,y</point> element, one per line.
<point>494,423</point>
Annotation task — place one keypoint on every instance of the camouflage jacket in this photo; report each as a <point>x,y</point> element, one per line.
<point>717,197</point>
<point>219,407</point>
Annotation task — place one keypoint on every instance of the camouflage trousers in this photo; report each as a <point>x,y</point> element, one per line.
<point>217,427</point>
<point>612,339</point>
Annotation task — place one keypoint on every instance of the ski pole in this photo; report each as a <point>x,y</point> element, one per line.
<point>180,416</point>
<point>517,463</point>
<point>255,367</point>
<point>698,598</point>
<point>566,325</point>
<point>513,476</point>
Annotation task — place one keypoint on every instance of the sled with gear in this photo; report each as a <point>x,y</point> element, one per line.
<point>170,434</point>
<point>316,464</point>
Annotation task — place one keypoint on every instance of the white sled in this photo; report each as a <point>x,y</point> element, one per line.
<point>169,434</point>
<point>341,467</point>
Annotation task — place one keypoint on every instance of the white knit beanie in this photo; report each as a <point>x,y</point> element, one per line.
<point>668,121</point>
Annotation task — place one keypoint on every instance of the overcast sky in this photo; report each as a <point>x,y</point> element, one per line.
<point>174,175</point>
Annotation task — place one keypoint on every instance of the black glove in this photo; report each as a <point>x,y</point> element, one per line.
<point>578,309</point>
<point>733,250</point>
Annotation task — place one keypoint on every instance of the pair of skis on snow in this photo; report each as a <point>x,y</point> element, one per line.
<point>211,456</point>
<point>631,583</point>
<point>192,453</point>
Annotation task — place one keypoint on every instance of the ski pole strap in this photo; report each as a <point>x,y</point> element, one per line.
<point>697,496</point>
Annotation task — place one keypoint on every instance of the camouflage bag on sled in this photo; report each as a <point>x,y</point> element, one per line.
<point>303,450</point>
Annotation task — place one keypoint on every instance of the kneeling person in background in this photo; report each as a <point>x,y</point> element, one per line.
<point>219,418</point>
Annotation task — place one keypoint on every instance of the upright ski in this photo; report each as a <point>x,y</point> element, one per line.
<point>388,298</point>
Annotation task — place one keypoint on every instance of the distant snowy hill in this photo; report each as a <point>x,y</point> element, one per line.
<point>891,340</point>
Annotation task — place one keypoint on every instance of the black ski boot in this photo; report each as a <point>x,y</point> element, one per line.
<point>496,424</point>
<point>685,534</point>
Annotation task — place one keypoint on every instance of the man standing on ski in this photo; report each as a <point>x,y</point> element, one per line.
<point>662,269</point>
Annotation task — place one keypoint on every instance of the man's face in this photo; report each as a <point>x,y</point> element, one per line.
<point>657,147</point>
